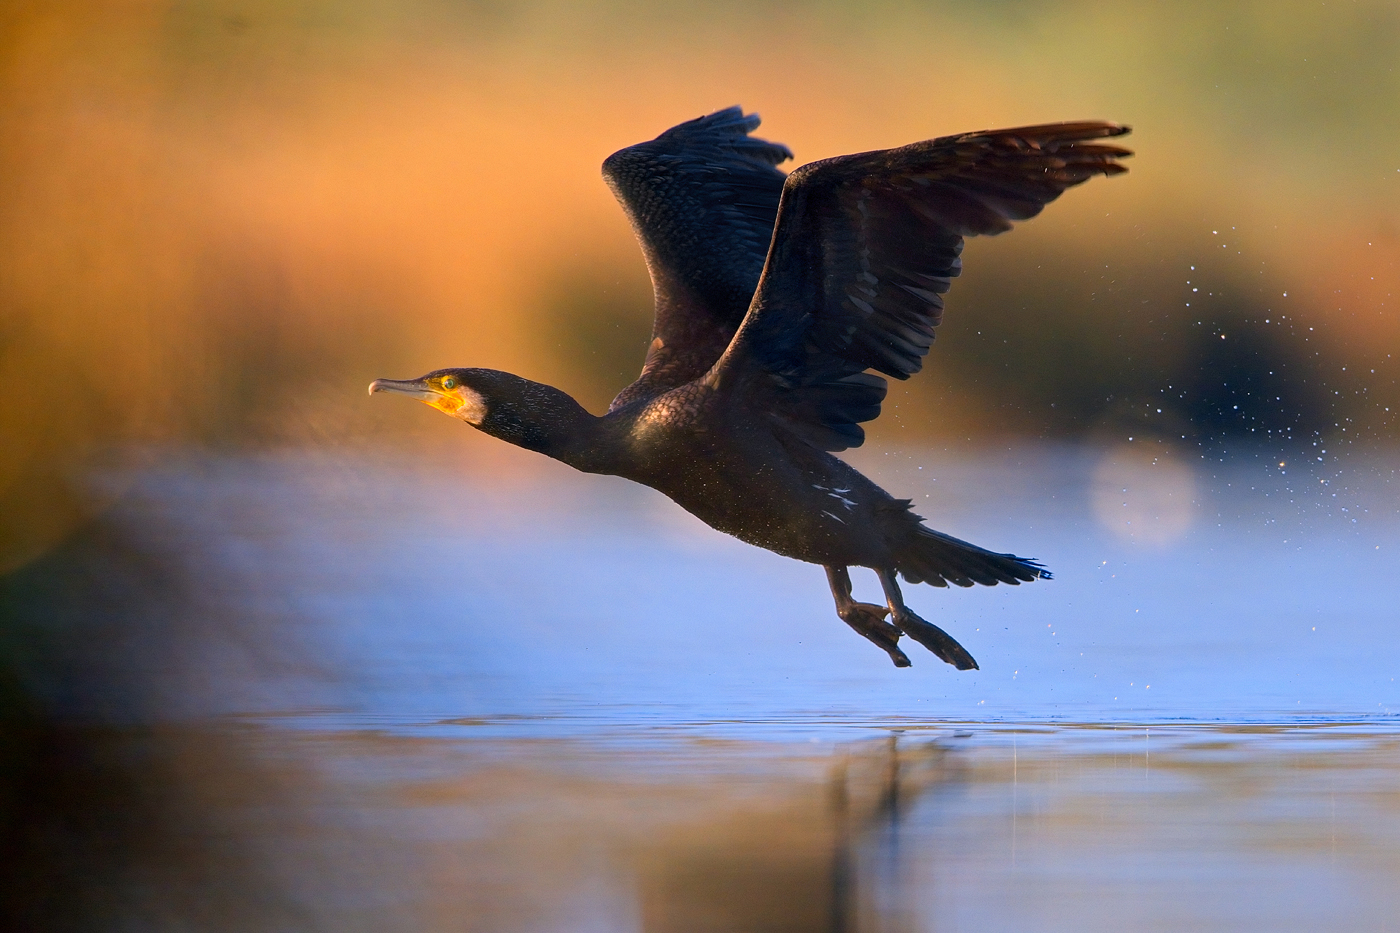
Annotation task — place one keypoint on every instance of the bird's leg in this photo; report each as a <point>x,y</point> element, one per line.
<point>925,633</point>
<point>866,618</point>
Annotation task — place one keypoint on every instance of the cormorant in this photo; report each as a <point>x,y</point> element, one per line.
<point>774,297</point>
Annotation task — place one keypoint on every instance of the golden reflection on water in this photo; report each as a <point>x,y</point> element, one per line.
<point>251,828</point>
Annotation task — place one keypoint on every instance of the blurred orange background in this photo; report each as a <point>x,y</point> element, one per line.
<point>221,220</point>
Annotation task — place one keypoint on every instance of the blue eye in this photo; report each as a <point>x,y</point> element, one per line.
<point>450,382</point>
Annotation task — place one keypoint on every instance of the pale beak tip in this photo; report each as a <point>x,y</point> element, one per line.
<point>374,387</point>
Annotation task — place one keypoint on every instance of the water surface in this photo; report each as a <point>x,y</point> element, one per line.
<point>382,692</point>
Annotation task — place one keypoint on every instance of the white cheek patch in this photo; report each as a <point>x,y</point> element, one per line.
<point>473,407</point>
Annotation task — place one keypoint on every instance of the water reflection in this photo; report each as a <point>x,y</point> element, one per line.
<point>238,828</point>
<point>304,691</point>
<point>481,583</point>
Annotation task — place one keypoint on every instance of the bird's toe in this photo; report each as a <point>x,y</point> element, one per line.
<point>936,640</point>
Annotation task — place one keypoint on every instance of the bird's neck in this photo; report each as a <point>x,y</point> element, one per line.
<point>550,422</point>
<point>579,441</point>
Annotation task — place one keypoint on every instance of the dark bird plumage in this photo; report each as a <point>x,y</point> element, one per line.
<point>775,297</point>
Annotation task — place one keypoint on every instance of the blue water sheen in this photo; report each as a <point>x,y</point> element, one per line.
<point>521,592</point>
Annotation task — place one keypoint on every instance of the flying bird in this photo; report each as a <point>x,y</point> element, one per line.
<point>776,297</point>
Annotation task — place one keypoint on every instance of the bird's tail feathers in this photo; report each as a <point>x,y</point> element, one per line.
<point>932,557</point>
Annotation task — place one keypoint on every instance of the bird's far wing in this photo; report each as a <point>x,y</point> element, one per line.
<point>865,247</point>
<point>702,198</point>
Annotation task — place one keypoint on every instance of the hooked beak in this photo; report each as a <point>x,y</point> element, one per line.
<point>459,402</point>
<point>414,388</point>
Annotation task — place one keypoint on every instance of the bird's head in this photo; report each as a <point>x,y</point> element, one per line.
<point>450,391</point>
<point>527,414</point>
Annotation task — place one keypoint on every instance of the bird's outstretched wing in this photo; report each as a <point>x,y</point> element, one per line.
<point>865,247</point>
<point>702,198</point>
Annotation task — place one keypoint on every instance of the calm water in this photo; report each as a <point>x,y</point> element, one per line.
<point>474,691</point>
